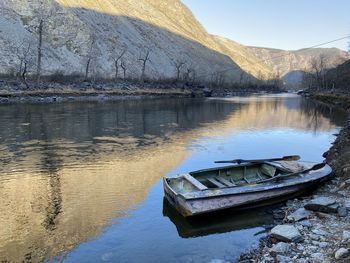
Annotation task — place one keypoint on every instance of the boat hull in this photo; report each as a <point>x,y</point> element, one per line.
<point>247,197</point>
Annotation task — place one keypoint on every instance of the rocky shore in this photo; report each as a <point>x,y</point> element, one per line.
<point>314,228</point>
<point>14,92</point>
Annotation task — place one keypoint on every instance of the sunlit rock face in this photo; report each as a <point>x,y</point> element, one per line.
<point>166,28</point>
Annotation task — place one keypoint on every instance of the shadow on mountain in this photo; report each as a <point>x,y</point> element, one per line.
<point>293,79</point>
<point>150,36</point>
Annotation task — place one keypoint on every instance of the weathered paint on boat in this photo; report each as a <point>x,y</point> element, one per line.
<point>195,198</point>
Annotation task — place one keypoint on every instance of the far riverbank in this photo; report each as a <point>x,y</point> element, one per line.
<point>50,92</point>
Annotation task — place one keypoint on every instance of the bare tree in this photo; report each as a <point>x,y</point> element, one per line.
<point>25,55</point>
<point>117,55</point>
<point>90,56</point>
<point>178,65</point>
<point>319,71</point>
<point>43,13</point>
<point>190,74</point>
<point>40,44</point>
<point>123,66</point>
<point>218,78</point>
<point>144,60</point>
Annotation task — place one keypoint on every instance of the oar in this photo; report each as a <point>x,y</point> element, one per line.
<point>285,158</point>
<point>315,167</point>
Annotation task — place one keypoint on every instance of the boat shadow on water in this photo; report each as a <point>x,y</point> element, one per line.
<point>218,222</point>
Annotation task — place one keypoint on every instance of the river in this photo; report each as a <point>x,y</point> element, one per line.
<point>81,182</point>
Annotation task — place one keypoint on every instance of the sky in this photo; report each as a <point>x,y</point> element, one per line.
<point>284,24</point>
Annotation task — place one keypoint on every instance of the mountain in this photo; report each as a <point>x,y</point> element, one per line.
<point>74,28</point>
<point>291,64</point>
<point>246,59</point>
<point>77,33</point>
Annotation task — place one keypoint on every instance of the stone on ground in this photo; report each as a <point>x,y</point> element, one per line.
<point>322,204</point>
<point>299,214</point>
<point>346,235</point>
<point>283,259</point>
<point>342,211</point>
<point>287,233</point>
<point>280,248</point>
<point>342,253</point>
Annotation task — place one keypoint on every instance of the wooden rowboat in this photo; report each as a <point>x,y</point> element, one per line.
<point>248,184</point>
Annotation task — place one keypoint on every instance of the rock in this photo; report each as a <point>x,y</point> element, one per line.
<point>278,214</point>
<point>283,259</point>
<point>300,247</point>
<point>287,233</point>
<point>320,232</point>
<point>347,203</point>
<point>266,260</point>
<point>299,214</point>
<point>314,237</point>
<point>323,244</point>
<point>342,253</point>
<point>323,215</point>
<point>305,223</point>
<point>280,248</point>
<point>313,248</point>
<point>319,257</point>
<point>342,211</point>
<point>346,235</point>
<point>322,204</point>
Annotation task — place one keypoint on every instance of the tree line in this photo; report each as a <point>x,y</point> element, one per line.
<point>323,76</point>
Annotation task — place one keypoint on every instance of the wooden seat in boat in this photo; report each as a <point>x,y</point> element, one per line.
<point>194,182</point>
<point>225,182</point>
<point>216,183</point>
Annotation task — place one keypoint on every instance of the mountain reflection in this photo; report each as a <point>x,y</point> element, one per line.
<point>68,169</point>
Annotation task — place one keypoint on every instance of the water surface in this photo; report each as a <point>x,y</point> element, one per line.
<point>81,182</point>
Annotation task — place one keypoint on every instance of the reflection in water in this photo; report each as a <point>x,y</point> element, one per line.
<point>217,223</point>
<point>70,170</point>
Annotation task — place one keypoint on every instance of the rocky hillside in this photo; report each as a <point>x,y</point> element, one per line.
<point>78,32</point>
<point>287,61</point>
<point>246,59</point>
<point>341,75</point>
<point>75,31</point>
<point>291,64</point>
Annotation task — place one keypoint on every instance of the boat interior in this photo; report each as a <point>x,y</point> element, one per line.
<point>230,176</point>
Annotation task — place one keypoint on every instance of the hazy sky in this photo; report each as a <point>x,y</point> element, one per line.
<point>285,24</point>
